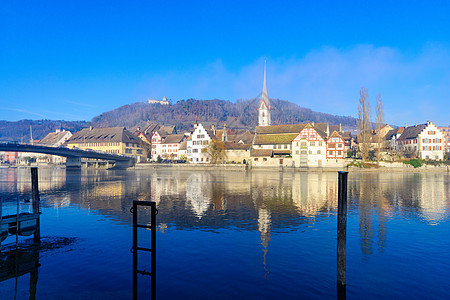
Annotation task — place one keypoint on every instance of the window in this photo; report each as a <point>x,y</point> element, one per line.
<point>320,143</point>
<point>339,152</point>
<point>296,151</point>
<point>331,146</point>
<point>264,159</point>
<point>330,153</point>
<point>195,150</point>
<point>319,152</point>
<point>312,143</point>
<point>285,146</point>
<point>256,159</point>
<point>274,146</point>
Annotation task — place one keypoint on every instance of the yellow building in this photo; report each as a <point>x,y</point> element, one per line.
<point>116,140</point>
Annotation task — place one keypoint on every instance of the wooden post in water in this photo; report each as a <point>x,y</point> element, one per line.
<point>36,200</point>
<point>341,234</point>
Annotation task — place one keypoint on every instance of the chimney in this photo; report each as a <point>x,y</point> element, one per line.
<point>428,122</point>
<point>406,125</point>
<point>213,128</point>
<point>195,125</point>
<point>90,128</point>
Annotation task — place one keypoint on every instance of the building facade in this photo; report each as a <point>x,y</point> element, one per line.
<point>425,141</point>
<point>116,140</point>
<point>167,148</point>
<point>309,147</point>
<point>197,144</point>
<point>335,146</point>
<point>446,135</point>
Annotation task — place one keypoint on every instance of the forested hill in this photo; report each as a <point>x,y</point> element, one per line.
<point>242,114</point>
<point>183,114</point>
<point>19,131</point>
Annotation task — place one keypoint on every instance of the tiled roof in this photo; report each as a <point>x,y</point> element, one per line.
<point>275,129</point>
<point>412,132</point>
<point>53,138</point>
<point>274,139</point>
<point>183,145</point>
<point>392,132</point>
<point>335,128</point>
<point>335,134</point>
<point>173,139</point>
<point>236,146</point>
<point>321,126</point>
<point>211,133</point>
<point>261,152</point>
<point>111,134</point>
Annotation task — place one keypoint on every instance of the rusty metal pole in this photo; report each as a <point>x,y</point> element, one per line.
<point>342,234</point>
<point>36,200</point>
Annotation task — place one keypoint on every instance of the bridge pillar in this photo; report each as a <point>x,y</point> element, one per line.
<point>73,163</point>
<point>123,164</point>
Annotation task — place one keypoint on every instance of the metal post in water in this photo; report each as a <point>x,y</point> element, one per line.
<point>153,246</point>
<point>342,234</point>
<point>36,200</point>
<point>135,260</point>
<point>17,222</point>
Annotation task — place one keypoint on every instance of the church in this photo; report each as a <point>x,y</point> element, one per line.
<point>264,105</point>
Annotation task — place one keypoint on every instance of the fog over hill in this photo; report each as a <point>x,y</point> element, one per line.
<point>241,114</point>
<point>182,114</point>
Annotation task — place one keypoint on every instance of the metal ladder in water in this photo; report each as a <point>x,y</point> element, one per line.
<point>135,249</point>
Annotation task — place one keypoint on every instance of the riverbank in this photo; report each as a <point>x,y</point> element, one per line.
<point>384,167</point>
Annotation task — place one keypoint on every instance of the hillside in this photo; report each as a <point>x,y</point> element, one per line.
<point>182,114</point>
<point>241,114</point>
<point>20,130</point>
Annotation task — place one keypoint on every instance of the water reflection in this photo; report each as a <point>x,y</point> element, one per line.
<point>246,200</point>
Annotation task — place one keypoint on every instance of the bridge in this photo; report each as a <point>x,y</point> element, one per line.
<point>73,155</point>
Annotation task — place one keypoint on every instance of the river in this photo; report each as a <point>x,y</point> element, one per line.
<point>235,234</point>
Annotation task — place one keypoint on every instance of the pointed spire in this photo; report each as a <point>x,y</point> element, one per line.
<point>265,96</point>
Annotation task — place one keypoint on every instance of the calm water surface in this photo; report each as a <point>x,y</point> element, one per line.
<point>236,235</point>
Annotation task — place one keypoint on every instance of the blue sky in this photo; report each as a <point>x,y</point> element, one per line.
<point>73,60</point>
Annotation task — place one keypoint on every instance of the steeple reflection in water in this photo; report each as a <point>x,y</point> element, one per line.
<point>224,232</point>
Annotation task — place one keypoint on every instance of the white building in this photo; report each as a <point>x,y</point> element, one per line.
<point>424,140</point>
<point>197,144</point>
<point>309,148</point>
<point>167,148</point>
<point>53,139</point>
<point>164,101</point>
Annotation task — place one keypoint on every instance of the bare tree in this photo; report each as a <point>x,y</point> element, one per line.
<point>364,125</point>
<point>380,124</point>
<point>215,151</point>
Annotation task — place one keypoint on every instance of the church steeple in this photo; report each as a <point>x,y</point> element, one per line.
<point>265,96</point>
<point>264,104</point>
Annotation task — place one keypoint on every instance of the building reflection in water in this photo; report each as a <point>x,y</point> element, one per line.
<point>198,194</point>
<point>378,196</point>
<point>264,230</point>
<point>256,200</point>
